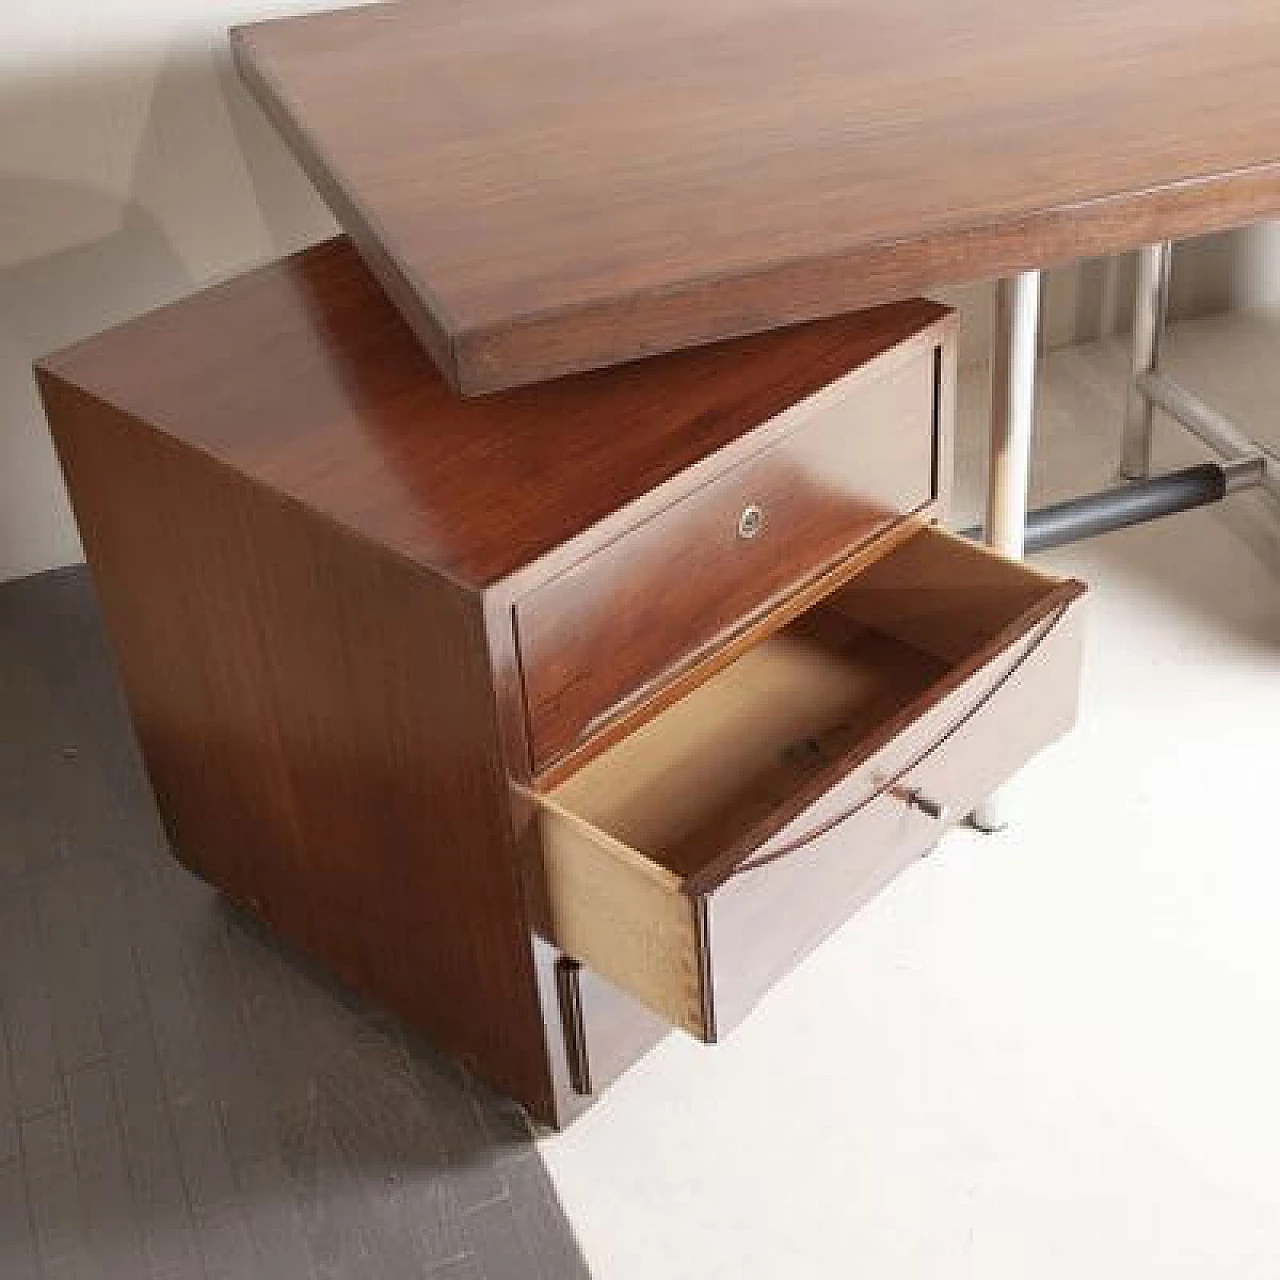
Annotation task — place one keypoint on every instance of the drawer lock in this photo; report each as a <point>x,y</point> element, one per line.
<point>751,521</point>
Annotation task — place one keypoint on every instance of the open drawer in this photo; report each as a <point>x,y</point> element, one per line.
<point>694,862</point>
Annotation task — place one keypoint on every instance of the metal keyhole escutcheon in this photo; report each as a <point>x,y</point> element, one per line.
<point>751,521</point>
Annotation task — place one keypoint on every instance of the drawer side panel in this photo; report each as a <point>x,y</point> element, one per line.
<point>602,903</point>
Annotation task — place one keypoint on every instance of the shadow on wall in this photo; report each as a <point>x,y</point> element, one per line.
<point>122,187</point>
<point>1094,298</point>
<point>1103,297</point>
<point>1207,278</point>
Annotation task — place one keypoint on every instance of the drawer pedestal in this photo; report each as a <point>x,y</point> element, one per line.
<point>555,718</point>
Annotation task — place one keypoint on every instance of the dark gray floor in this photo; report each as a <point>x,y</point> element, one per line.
<point>180,1097</point>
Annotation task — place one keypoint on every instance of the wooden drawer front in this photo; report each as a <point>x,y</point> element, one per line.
<point>594,1031</point>
<point>772,912</point>
<point>610,627</point>
<point>697,860</point>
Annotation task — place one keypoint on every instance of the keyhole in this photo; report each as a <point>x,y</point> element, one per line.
<point>750,522</point>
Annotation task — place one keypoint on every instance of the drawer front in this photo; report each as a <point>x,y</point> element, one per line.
<point>702,951</point>
<point>612,626</point>
<point>818,871</point>
<point>595,1032</point>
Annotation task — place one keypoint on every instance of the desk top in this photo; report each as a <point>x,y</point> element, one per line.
<point>544,186</point>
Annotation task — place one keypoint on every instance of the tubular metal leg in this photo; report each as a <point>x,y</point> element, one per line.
<point>1013,393</point>
<point>1151,304</point>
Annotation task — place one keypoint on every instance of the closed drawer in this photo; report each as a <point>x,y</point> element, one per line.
<point>697,860</point>
<point>616,623</point>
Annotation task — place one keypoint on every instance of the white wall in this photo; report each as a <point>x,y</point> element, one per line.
<point>133,169</point>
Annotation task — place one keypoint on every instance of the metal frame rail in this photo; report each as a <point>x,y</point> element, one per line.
<point>1241,462</point>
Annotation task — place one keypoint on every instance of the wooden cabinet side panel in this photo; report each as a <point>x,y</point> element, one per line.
<point>318,722</point>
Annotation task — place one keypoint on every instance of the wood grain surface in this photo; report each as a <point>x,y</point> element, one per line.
<point>317,720</point>
<point>302,375</point>
<point>308,550</point>
<point>688,578</point>
<point>550,185</point>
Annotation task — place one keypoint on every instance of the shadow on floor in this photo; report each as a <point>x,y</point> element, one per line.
<point>179,1095</point>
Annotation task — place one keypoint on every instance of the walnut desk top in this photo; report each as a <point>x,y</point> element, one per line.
<point>544,186</point>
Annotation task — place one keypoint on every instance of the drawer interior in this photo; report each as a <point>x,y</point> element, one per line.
<point>810,700</point>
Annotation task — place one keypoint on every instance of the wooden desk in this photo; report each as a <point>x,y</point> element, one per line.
<point>665,668</point>
<point>381,640</point>
<point>546,186</point>
<point>549,185</point>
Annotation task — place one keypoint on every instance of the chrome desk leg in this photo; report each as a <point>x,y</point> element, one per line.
<point>1151,304</point>
<point>1246,463</point>
<point>1013,396</point>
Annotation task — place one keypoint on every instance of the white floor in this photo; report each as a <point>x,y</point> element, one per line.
<point>1054,1052</point>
